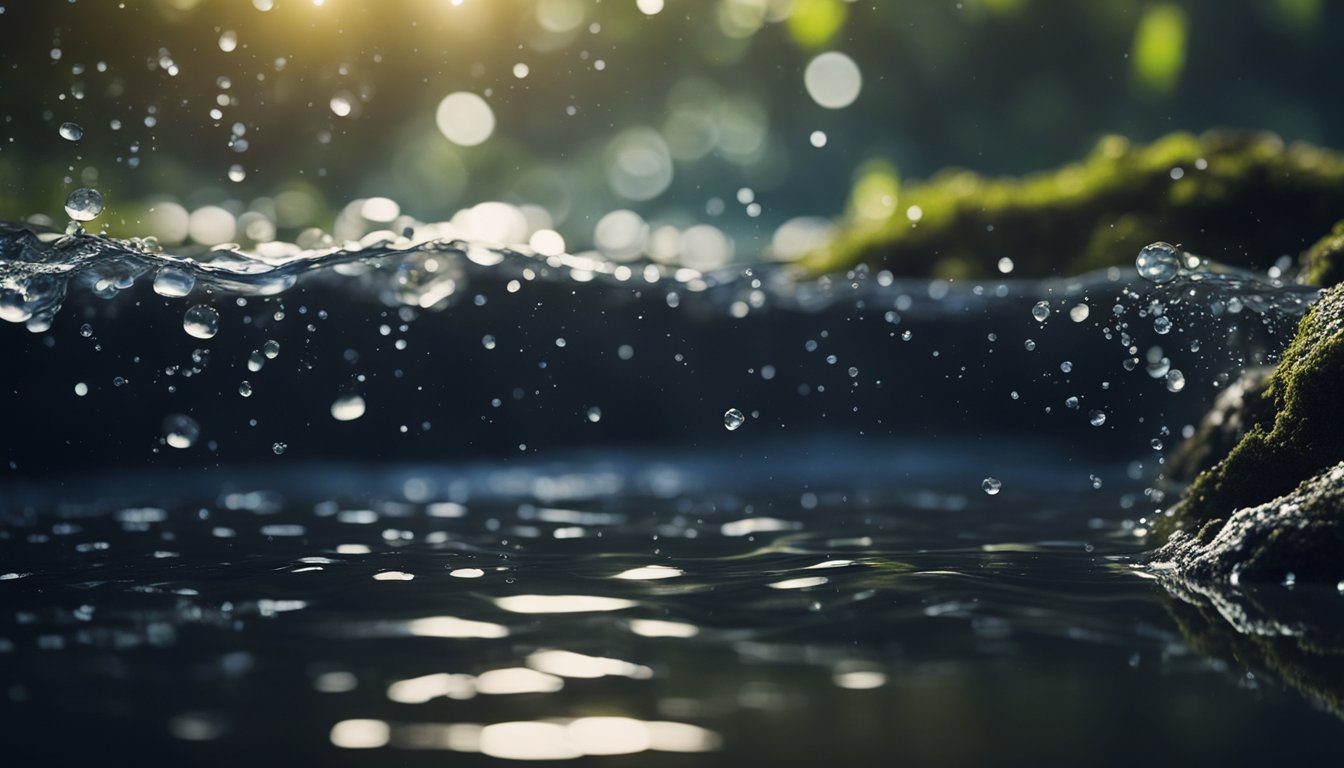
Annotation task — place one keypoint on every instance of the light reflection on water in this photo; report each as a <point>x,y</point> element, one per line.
<point>742,625</point>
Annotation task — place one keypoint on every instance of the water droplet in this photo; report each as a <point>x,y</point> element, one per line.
<point>1096,482</point>
<point>1029,345</point>
<point>1066,366</point>
<point>1162,325</point>
<point>991,486</point>
<point>71,132</point>
<point>180,430</point>
<point>1159,263</point>
<point>173,283</point>
<point>1096,418</point>
<point>279,448</point>
<point>245,389</point>
<point>81,389</point>
<point>86,330</point>
<point>237,173</point>
<point>733,419</point>
<point>271,349</point>
<point>255,361</point>
<point>1079,313</point>
<point>1040,311</point>
<point>84,204</point>
<point>201,322</point>
<point>906,335</point>
<point>1175,380</point>
<point>347,408</point>
<point>1072,403</point>
<point>594,414</point>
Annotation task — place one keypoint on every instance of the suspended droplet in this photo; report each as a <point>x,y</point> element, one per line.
<point>347,408</point>
<point>1175,380</point>
<point>1040,311</point>
<point>1029,345</point>
<point>84,204</point>
<point>991,486</point>
<point>1096,418</point>
<point>180,430</point>
<point>245,389</point>
<point>1079,313</point>
<point>1159,263</point>
<point>173,282</point>
<point>279,448</point>
<point>201,322</point>
<point>733,419</point>
<point>1096,482</point>
<point>1066,366</point>
<point>71,132</point>
<point>1072,403</point>
<point>271,349</point>
<point>1162,325</point>
<point>594,414</point>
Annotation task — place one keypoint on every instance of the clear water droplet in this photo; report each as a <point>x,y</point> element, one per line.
<point>906,335</point>
<point>733,419</point>
<point>347,408</point>
<point>1029,345</point>
<point>71,131</point>
<point>279,448</point>
<point>245,389</point>
<point>181,431</point>
<point>1072,403</point>
<point>1096,418</point>
<point>1159,263</point>
<point>1096,482</point>
<point>1040,311</point>
<point>1175,380</point>
<point>1079,313</point>
<point>594,414</point>
<point>255,361</point>
<point>1066,366</point>
<point>201,321</point>
<point>173,283</point>
<point>1162,325</point>
<point>271,349</point>
<point>991,486</point>
<point>84,204</point>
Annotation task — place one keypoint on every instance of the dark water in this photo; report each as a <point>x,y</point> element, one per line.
<point>789,611</point>
<point>539,541</point>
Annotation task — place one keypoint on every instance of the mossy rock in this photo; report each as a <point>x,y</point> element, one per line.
<point>1299,434</point>
<point>1242,198</point>
<point>1296,537</point>
<point>1323,263</point>
<point>1239,406</point>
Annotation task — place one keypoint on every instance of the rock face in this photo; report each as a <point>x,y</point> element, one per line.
<point>1273,508</point>
<point>1300,434</point>
<point>1296,537</point>
<point>1240,405</point>
<point>1246,198</point>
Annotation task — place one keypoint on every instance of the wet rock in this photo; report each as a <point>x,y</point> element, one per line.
<point>1298,537</point>
<point>1299,433</point>
<point>1245,198</point>
<point>1323,263</point>
<point>1238,406</point>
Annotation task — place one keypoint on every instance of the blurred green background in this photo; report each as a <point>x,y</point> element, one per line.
<point>248,120</point>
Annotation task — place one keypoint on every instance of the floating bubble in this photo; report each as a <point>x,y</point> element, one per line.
<point>347,408</point>
<point>181,431</point>
<point>833,80</point>
<point>1175,380</point>
<point>1159,263</point>
<point>733,419</point>
<point>84,204</point>
<point>465,119</point>
<point>201,322</point>
<point>71,132</point>
<point>173,283</point>
<point>991,486</point>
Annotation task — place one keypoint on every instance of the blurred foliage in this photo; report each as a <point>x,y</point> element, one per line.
<point>1239,198</point>
<point>1004,86</point>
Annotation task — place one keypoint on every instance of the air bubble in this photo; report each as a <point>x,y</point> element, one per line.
<point>201,321</point>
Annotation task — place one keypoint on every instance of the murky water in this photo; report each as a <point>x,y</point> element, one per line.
<point>409,502</point>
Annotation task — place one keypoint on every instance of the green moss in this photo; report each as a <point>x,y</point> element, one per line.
<point>1249,205</point>
<point>1324,262</point>
<point>1301,434</point>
